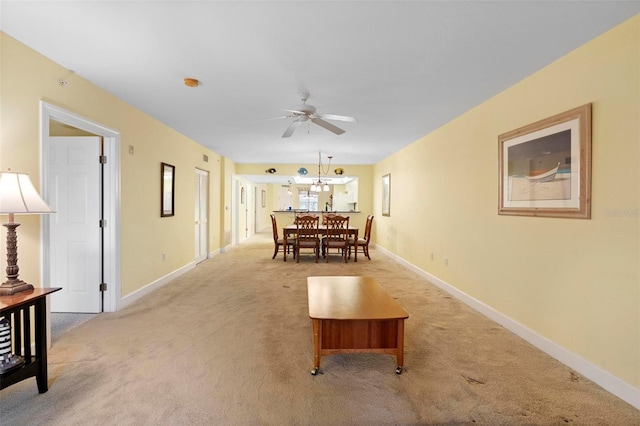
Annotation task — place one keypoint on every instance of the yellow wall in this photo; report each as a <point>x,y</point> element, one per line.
<point>27,78</point>
<point>574,282</point>
<point>225,197</point>
<point>251,208</point>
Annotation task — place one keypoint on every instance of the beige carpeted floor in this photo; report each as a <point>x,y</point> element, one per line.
<point>229,343</point>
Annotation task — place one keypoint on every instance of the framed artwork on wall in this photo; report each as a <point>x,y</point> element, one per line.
<point>167,189</point>
<point>386,195</point>
<point>545,167</point>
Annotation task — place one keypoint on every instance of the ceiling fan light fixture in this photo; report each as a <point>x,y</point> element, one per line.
<point>308,113</point>
<point>191,82</point>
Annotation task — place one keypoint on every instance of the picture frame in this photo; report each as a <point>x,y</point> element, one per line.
<point>386,195</point>
<point>167,189</point>
<point>545,167</point>
<point>264,198</point>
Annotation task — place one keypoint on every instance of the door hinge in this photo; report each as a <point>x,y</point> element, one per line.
<point>103,159</point>
<point>103,286</point>
<point>103,223</point>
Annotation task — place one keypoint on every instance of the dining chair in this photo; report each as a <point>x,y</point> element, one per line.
<point>336,237</point>
<point>279,242</point>
<point>303,214</point>
<point>307,235</point>
<point>363,243</point>
<point>325,216</point>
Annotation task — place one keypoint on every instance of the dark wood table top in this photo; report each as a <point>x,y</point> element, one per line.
<point>25,297</point>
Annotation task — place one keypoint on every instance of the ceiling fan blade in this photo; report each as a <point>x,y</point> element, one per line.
<point>276,118</point>
<point>338,117</point>
<point>330,127</point>
<point>292,127</point>
<point>294,111</point>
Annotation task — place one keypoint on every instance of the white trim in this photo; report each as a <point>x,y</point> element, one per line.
<point>606,380</point>
<point>214,253</point>
<point>160,282</point>
<point>111,197</point>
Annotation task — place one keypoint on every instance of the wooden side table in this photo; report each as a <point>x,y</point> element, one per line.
<point>17,310</point>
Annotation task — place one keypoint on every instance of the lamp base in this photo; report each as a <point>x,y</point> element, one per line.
<point>11,287</point>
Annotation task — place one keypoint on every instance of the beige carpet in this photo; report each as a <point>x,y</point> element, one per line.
<point>230,343</point>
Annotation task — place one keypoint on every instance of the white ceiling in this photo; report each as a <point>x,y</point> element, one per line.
<point>402,68</point>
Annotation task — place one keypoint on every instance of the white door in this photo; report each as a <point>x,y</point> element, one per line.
<point>247,212</point>
<point>201,203</point>
<point>75,234</point>
<point>235,212</point>
<point>256,206</point>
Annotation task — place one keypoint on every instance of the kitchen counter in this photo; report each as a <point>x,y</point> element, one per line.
<point>318,211</point>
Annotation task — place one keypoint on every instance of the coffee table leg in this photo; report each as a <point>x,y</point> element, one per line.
<point>400,348</point>
<point>317,333</point>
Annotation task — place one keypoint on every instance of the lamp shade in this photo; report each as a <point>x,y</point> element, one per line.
<point>18,195</point>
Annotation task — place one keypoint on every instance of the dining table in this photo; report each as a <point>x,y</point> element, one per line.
<point>289,230</point>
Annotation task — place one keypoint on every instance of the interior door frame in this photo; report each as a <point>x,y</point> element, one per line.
<point>111,197</point>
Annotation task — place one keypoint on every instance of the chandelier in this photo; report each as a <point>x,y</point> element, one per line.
<point>320,186</point>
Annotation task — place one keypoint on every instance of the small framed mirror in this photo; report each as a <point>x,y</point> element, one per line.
<point>167,189</point>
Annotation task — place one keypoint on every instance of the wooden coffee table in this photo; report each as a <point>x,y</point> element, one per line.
<point>354,315</point>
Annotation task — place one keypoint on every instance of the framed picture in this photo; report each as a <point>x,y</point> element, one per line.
<point>167,189</point>
<point>386,195</point>
<point>264,198</point>
<point>545,167</point>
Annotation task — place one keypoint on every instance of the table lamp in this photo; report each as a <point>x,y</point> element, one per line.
<point>17,196</point>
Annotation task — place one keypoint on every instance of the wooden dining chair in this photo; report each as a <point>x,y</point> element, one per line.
<point>307,235</point>
<point>279,242</point>
<point>336,237</point>
<point>325,216</point>
<point>307,214</point>
<point>363,243</point>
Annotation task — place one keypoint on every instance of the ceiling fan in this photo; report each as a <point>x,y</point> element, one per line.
<point>307,113</point>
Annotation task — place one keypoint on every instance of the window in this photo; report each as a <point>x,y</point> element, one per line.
<point>308,200</point>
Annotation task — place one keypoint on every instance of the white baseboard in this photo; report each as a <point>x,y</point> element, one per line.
<point>214,253</point>
<point>139,294</point>
<point>606,380</point>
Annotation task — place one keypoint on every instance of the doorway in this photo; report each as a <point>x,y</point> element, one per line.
<point>235,211</point>
<point>109,206</point>
<point>201,215</point>
<point>256,206</point>
<point>74,175</point>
